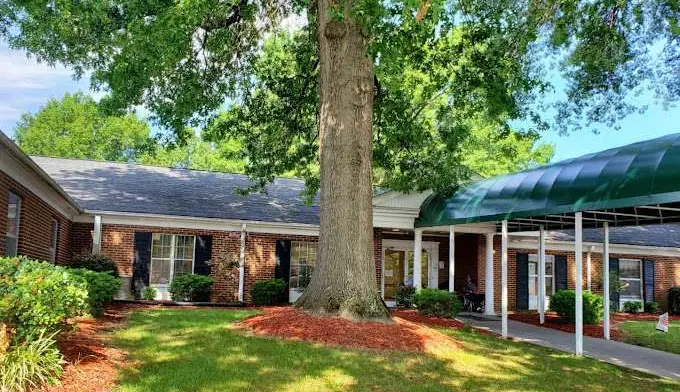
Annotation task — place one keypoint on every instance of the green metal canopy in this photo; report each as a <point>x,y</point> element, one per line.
<point>630,185</point>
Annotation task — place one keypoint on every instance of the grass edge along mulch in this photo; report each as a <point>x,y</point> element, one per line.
<point>406,332</point>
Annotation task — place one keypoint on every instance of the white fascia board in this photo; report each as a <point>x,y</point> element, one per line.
<point>36,183</point>
<point>394,218</point>
<point>568,246</point>
<point>196,223</point>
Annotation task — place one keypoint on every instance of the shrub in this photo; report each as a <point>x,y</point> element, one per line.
<point>95,262</point>
<point>268,292</point>
<point>632,306</point>
<point>149,293</point>
<point>674,300</point>
<point>38,296</point>
<point>439,303</point>
<point>651,307</point>
<point>404,296</point>
<point>191,288</point>
<point>30,365</point>
<point>563,303</point>
<point>101,287</point>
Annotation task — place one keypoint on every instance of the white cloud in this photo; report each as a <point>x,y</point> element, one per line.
<point>20,72</point>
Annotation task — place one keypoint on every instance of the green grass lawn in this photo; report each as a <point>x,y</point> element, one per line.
<point>644,333</point>
<point>196,350</point>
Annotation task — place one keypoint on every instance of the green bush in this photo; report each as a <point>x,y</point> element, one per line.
<point>563,303</point>
<point>30,365</point>
<point>674,300</point>
<point>191,288</point>
<point>149,293</point>
<point>95,262</point>
<point>651,307</point>
<point>268,292</point>
<point>632,307</point>
<point>38,296</point>
<point>439,303</point>
<point>101,287</point>
<point>404,296</point>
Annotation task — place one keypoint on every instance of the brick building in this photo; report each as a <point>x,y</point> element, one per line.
<point>158,223</point>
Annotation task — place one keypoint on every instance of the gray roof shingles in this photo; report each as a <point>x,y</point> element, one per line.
<point>133,188</point>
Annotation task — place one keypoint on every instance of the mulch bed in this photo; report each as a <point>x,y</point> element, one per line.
<point>91,364</point>
<point>399,335</point>
<point>595,331</point>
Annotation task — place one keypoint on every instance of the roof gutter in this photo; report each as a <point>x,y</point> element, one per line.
<point>26,160</point>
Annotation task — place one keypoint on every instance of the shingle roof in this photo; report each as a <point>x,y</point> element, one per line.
<point>667,235</point>
<point>124,187</point>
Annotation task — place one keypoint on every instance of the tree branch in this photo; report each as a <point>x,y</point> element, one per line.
<point>220,22</point>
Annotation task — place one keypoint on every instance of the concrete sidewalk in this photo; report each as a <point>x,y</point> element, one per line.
<point>633,357</point>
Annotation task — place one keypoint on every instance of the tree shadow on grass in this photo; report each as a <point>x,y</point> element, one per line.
<point>195,350</point>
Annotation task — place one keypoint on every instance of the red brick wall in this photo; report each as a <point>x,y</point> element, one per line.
<point>35,225</point>
<point>667,272</point>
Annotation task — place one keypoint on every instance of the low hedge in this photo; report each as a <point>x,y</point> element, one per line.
<point>101,287</point>
<point>563,303</point>
<point>269,292</point>
<point>632,306</point>
<point>439,303</point>
<point>191,288</point>
<point>95,262</point>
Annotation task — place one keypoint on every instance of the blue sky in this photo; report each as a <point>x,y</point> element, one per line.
<point>26,85</point>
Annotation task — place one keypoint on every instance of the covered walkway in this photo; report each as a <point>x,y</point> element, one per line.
<point>633,357</point>
<point>632,185</point>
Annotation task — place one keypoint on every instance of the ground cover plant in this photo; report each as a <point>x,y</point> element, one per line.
<point>201,349</point>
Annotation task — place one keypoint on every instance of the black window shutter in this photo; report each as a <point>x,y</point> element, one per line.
<point>522,292</point>
<point>203,255</point>
<point>140,266</point>
<point>648,279</point>
<point>561,282</point>
<point>282,270</point>
<point>614,274</point>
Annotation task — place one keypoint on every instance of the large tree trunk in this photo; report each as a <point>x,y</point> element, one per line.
<point>344,279</point>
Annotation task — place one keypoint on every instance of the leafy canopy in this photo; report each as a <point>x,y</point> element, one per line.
<point>442,69</point>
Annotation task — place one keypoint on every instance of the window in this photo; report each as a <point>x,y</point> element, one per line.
<point>54,240</point>
<point>171,256</point>
<point>13,218</point>
<point>549,274</point>
<point>630,276</point>
<point>302,262</point>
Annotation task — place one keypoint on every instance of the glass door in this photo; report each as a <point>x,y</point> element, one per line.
<point>393,272</point>
<point>533,280</point>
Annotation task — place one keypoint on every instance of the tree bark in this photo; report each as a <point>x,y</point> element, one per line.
<point>344,280</point>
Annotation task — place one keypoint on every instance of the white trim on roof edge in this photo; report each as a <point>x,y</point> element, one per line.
<point>23,170</point>
<point>197,223</point>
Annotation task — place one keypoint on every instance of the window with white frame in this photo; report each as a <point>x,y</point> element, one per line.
<point>13,219</point>
<point>549,274</point>
<point>54,239</point>
<point>302,262</point>
<point>171,256</point>
<point>630,277</point>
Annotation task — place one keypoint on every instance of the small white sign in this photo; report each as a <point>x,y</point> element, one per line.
<point>388,273</point>
<point>662,325</point>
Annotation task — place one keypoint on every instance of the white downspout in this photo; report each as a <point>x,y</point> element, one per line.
<point>97,235</point>
<point>242,265</point>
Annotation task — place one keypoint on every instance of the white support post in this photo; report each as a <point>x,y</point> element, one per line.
<point>97,235</point>
<point>452,258</point>
<point>605,276</point>
<point>417,258</point>
<point>242,264</point>
<point>578,255</point>
<point>489,283</point>
<point>504,279</point>
<point>541,274</point>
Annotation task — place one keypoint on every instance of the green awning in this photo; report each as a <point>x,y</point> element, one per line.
<point>630,185</point>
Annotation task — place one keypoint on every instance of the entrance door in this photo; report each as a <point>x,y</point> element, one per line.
<point>398,266</point>
<point>393,272</point>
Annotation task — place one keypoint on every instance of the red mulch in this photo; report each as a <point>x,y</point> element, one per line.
<point>399,335</point>
<point>91,364</point>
